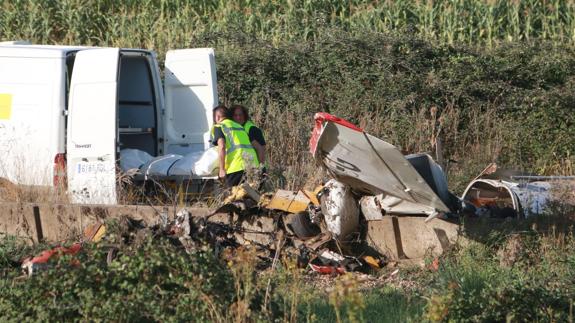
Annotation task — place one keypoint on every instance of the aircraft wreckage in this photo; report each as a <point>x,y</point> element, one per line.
<point>378,206</point>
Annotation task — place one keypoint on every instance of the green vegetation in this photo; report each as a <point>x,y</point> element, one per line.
<point>162,24</point>
<point>474,286</point>
<point>526,276</point>
<point>511,104</point>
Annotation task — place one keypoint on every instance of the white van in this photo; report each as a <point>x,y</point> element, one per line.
<point>70,111</point>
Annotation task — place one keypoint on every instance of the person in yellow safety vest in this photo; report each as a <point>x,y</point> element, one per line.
<point>235,150</point>
<point>240,115</point>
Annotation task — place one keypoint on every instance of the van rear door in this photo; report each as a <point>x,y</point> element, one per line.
<point>92,127</point>
<point>191,93</point>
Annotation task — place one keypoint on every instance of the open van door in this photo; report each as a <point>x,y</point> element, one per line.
<point>92,130</point>
<point>191,93</point>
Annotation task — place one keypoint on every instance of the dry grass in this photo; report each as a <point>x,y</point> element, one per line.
<point>10,192</point>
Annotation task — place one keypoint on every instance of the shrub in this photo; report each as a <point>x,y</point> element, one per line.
<point>156,283</point>
<point>510,104</point>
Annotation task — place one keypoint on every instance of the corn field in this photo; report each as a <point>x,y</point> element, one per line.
<point>161,24</point>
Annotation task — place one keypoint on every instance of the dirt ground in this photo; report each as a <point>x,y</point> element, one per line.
<point>9,192</point>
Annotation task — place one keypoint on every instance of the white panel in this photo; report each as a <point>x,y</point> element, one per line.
<point>92,127</point>
<point>29,137</point>
<point>191,94</point>
<point>373,166</point>
<point>20,70</point>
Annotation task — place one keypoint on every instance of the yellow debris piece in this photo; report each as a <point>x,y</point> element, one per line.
<point>99,234</point>
<point>237,193</point>
<point>288,201</point>
<point>312,195</point>
<point>372,262</point>
<point>241,192</point>
<point>94,232</point>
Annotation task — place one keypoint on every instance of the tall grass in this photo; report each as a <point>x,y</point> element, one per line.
<point>526,276</point>
<point>162,24</point>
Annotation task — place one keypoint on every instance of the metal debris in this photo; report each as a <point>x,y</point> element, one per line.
<point>340,209</point>
<point>288,201</point>
<point>378,206</point>
<point>500,193</point>
<point>92,233</point>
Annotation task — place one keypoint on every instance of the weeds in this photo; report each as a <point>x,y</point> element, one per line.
<point>152,284</point>
<point>537,285</point>
<point>158,281</point>
<point>507,105</point>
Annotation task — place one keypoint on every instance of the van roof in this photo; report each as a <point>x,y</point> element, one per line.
<point>46,51</point>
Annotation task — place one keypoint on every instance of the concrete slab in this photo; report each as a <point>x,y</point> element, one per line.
<point>410,237</point>
<point>67,221</point>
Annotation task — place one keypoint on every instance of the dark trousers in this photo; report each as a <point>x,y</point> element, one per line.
<point>234,179</point>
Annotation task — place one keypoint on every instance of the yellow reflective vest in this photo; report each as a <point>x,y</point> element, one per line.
<point>247,126</point>
<point>239,150</point>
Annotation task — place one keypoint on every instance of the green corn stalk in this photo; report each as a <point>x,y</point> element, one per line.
<point>161,24</point>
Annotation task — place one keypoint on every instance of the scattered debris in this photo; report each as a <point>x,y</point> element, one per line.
<point>92,233</point>
<point>380,207</point>
<point>501,193</point>
<point>373,263</point>
<point>434,265</point>
<point>288,201</point>
<point>340,209</point>
<point>242,191</point>
<point>32,265</point>
<point>303,227</point>
<point>371,166</point>
<point>329,262</point>
<point>383,198</point>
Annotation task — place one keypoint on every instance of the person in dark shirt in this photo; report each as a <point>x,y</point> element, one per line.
<point>233,147</point>
<point>240,115</point>
<point>219,113</point>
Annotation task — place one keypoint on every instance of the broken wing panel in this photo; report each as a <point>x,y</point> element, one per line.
<point>372,207</point>
<point>371,165</point>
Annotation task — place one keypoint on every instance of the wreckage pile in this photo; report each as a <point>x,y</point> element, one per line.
<point>378,206</point>
<point>279,227</point>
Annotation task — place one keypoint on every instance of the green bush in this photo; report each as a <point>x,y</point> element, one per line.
<point>10,248</point>
<point>511,104</point>
<point>157,282</point>
<point>471,285</point>
<point>514,299</point>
